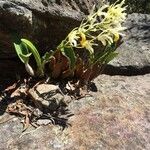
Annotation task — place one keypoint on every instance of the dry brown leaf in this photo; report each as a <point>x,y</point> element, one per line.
<point>26,122</point>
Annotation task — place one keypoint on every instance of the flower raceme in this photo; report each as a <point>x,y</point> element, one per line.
<point>103,25</point>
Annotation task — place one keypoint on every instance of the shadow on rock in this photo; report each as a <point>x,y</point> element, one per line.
<point>41,105</point>
<point>126,70</point>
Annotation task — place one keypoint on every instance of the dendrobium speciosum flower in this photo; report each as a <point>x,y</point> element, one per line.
<point>103,25</point>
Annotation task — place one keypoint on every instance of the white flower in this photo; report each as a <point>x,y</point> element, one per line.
<point>116,12</point>
<point>104,38</point>
<point>116,31</point>
<point>74,43</point>
<point>72,38</point>
<point>100,10</point>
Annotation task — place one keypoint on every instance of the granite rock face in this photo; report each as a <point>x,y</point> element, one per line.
<point>117,116</point>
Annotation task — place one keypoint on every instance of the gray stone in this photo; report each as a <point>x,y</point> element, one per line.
<point>46,96</point>
<point>138,6</point>
<point>116,117</point>
<point>135,51</point>
<point>43,121</point>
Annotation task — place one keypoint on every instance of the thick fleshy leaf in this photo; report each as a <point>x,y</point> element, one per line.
<point>46,58</point>
<point>33,50</point>
<point>18,51</point>
<point>98,57</point>
<point>102,56</point>
<point>22,52</point>
<point>25,57</point>
<point>36,54</point>
<point>110,57</point>
<point>69,53</point>
<point>30,45</point>
<point>47,55</point>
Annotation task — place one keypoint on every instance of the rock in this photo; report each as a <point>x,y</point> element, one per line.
<point>44,121</point>
<point>37,112</point>
<point>44,22</point>
<point>138,6</point>
<point>117,117</point>
<point>135,51</point>
<point>47,96</point>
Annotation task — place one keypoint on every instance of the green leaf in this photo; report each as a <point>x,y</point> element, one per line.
<point>18,51</point>
<point>22,52</point>
<point>33,50</point>
<point>69,53</point>
<point>102,56</point>
<point>47,56</point>
<point>36,54</point>
<point>98,56</point>
<point>110,57</point>
<point>25,57</point>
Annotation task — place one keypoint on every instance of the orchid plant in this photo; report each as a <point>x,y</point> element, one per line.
<point>97,37</point>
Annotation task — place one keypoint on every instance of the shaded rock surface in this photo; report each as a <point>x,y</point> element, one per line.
<point>11,70</point>
<point>138,6</point>
<point>117,116</point>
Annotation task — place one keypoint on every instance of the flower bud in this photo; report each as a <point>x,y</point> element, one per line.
<point>29,69</point>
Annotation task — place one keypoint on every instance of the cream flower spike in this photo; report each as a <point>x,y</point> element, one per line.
<point>103,24</point>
